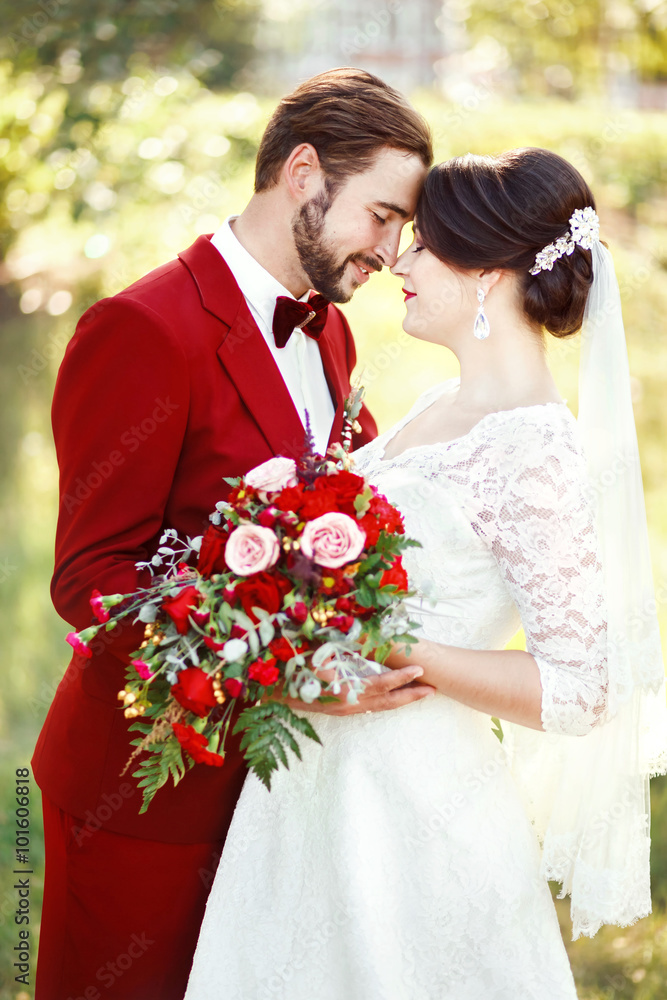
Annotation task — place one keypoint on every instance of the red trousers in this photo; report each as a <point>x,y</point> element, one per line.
<point>121,915</point>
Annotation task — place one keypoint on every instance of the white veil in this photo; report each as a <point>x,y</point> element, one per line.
<point>589,795</point>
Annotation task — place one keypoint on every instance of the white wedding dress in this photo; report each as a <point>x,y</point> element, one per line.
<point>396,861</point>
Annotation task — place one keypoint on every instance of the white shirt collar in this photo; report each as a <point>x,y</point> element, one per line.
<point>259,287</point>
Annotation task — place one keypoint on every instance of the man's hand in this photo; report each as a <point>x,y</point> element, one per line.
<point>389,690</point>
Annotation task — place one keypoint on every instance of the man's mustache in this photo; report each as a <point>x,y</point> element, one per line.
<point>369,263</point>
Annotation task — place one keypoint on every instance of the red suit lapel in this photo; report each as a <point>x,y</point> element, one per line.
<point>247,359</point>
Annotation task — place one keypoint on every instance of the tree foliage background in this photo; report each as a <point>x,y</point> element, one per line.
<point>128,128</point>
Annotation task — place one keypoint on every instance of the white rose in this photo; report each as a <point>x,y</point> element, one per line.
<point>310,690</point>
<point>234,650</point>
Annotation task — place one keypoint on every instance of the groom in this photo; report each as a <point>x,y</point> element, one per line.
<point>194,373</point>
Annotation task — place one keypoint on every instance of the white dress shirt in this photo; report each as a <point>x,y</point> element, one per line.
<point>299,361</point>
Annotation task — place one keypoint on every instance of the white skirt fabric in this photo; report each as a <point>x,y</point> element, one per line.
<point>395,862</point>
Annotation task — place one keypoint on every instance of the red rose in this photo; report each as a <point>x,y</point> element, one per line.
<point>212,552</point>
<point>264,671</point>
<point>200,617</point>
<point>178,608</point>
<point>195,744</point>
<point>283,649</point>
<point>389,518</point>
<point>267,518</point>
<point>342,622</point>
<point>298,613</point>
<point>211,641</point>
<point>233,687</point>
<point>318,501</point>
<point>290,498</point>
<point>346,486</point>
<point>395,575</point>
<point>194,691</point>
<point>262,590</point>
<point>371,526</point>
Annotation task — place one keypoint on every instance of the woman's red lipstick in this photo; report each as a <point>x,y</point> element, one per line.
<point>409,295</point>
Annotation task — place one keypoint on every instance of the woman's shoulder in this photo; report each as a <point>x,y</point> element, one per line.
<point>544,426</point>
<point>535,452</point>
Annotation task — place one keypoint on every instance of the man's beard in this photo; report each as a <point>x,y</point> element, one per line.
<point>317,259</point>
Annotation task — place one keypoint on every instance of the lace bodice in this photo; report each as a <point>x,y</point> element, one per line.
<point>506,522</point>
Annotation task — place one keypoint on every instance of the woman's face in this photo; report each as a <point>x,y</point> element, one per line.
<point>441,302</point>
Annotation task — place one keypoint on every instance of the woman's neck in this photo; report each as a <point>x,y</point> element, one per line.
<point>508,369</point>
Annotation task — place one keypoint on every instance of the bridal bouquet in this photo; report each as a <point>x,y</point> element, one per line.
<point>300,570</point>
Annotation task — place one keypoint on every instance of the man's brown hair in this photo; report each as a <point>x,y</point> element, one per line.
<point>348,115</point>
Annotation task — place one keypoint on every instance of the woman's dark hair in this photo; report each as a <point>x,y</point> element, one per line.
<point>348,115</point>
<point>499,212</point>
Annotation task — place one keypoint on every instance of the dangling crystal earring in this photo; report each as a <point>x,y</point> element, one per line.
<point>481,328</point>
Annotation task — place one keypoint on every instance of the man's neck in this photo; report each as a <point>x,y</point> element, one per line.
<point>264,229</point>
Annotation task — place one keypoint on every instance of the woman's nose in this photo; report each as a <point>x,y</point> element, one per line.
<point>401,266</point>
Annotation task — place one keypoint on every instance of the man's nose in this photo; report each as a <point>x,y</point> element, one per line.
<point>387,252</point>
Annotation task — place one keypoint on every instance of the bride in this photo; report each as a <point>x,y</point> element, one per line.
<point>406,858</point>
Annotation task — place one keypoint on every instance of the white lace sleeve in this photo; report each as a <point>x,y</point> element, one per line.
<point>540,524</point>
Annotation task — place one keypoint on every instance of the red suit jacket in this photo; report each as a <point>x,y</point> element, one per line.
<point>164,389</point>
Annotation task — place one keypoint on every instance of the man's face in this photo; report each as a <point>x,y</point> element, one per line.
<point>340,241</point>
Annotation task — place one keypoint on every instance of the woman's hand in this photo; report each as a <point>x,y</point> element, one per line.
<point>381,693</point>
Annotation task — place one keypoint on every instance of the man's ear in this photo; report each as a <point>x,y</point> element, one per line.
<point>302,172</point>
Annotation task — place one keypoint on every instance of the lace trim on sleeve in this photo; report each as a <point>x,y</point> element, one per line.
<point>535,513</point>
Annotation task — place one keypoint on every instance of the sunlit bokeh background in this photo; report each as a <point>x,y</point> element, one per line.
<point>129,128</point>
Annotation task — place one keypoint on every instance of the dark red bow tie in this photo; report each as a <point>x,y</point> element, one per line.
<point>290,315</point>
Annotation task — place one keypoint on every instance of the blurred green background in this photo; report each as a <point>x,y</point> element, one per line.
<point>129,128</point>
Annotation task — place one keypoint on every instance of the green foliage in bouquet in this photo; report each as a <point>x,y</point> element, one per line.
<point>298,578</point>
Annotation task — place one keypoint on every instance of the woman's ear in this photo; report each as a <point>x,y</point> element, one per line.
<point>302,172</point>
<point>487,279</point>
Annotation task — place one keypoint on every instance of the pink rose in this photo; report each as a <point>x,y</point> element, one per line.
<point>272,476</point>
<point>332,539</point>
<point>251,548</point>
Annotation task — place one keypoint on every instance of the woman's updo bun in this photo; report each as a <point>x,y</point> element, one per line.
<point>498,212</point>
